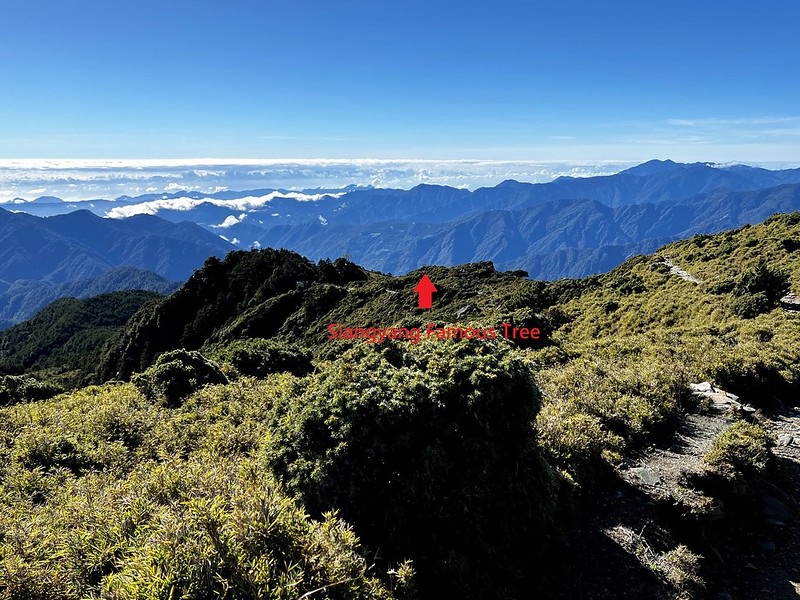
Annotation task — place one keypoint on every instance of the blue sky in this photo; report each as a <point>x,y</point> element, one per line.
<point>591,80</point>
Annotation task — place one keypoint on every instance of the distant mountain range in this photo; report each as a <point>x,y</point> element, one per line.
<point>80,244</point>
<point>562,238</point>
<point>26,297</point>
<point>570,227</point>
<point>81,254</point>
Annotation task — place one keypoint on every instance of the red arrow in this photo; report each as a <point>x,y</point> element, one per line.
<point>425,289</point>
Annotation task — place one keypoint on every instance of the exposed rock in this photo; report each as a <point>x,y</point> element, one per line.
<point>685,275</point>
<point>790,302</point>
<point>785,440</point>
<point>704,386</point>
<point>718,399</point>
<point>463,311</point>
<point>646,475</point>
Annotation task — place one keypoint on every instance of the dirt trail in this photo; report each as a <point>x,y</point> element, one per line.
<point>749,537</point>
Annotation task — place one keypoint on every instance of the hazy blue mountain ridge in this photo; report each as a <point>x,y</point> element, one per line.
<point>590,236</point>
<point>81,254</point>
<point>567,227</point>
<point>25,297</point>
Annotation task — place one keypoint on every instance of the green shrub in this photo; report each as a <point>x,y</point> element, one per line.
<point>176,374</point>
<point>630,390</point>
<point>680,567</point>
<point>610,306</point>
<point>340,271</point>
<point>431,454</point>
<point>258,357</point>
<point>748,306</point>
<point>578,442</point>
<point>790,244</point>
<point>627,283</point>
<point>721,287</point>
<point>759,290</point>
<point>759,370</point>
<point>17,388</point>
<point>104,494</point>
<point>203,528</point>
<point>236,535</point>
<point>742,450</point>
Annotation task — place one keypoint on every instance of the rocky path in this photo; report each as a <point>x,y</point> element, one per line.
<point>685,275</point>
<point>789,302</point>
<point>749,538</point>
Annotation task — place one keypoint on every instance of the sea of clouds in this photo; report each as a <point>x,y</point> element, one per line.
<point>78,180</point>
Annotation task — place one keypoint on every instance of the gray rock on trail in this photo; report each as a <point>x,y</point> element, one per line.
<point>703,387</point>
<point>463,311</point>
<point>665,472</point>
<point>720,400</point>
<point>790,302</point>
<point>785,439</point>
<point>646,475</point>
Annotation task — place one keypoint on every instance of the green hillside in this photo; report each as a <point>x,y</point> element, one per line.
<point>251,457</point>
<point>279,294</point>
<point>68,335</point>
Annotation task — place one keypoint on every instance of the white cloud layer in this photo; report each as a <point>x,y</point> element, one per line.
<point>247,203</point>
<point>310,179</point>
<point>77,180</point>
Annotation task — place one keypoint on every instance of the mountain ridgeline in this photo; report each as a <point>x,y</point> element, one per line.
<point>65,339</point>
<point>279,294</point>
<point>570,227</point>
<point>80,254</point>
<point>25,297</point>
<point>79,245</point>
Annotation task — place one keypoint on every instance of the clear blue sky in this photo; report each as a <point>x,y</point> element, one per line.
<point>621,80</point>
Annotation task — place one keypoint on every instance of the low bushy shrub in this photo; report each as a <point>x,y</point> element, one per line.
<point>748,306</point>
<point>257,357</point>
<point>20,388</point>
<point>431,454</point>
<point>578,442</point>
<point>105,494</point>
<point>203,528</point>
<point>176,374</point>
<point>740,451</point>
<point>759,290</point>
<point>763,279</point>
